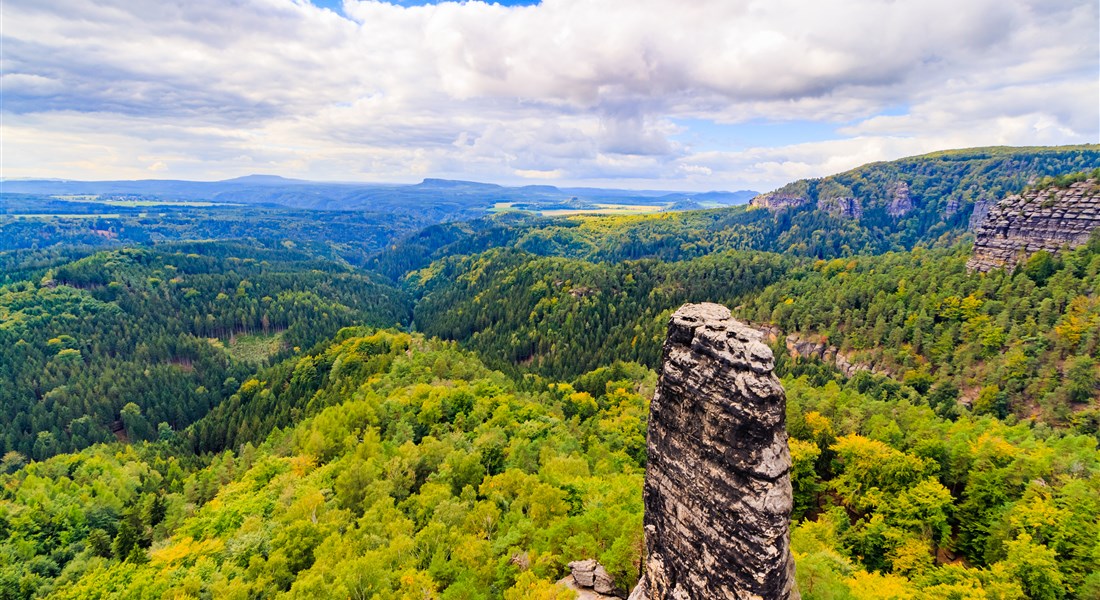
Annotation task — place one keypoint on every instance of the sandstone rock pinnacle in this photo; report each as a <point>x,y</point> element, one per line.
<point>717,486</point>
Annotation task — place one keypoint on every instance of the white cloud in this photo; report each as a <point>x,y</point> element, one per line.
<point>535,174</point>
<point>585,90</point>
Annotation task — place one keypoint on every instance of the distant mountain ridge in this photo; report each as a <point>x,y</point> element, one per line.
<point>264,179</point>
<point>918,199</point>
<point>449,199</point>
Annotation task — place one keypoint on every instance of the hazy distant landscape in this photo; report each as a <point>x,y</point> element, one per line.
<point>461,198</point>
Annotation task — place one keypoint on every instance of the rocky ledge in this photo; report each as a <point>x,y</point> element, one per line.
<point>1019,226</point>
<point>777,200</point>
<point>717,485</point>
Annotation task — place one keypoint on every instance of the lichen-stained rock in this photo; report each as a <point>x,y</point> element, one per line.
<point>1021,225</point>
<point>717,487</point>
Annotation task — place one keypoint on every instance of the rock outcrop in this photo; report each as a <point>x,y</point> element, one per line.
<point>717,486</point>
<point>831,355</point>
<point>778,201</point>
<point>900,201</point>
<point>982,206</point>
<point>591,575</point>
<point>1021,225</point>
<point>841,206</point>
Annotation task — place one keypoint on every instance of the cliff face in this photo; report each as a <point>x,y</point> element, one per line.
<point>1021,225</point>
<point>778,201</point>
<point>831,355</point>
<point>717,486</point>
<point>900,202</point>
<point>982,206</point>
<point>843,206</point>
<point>839,203</point>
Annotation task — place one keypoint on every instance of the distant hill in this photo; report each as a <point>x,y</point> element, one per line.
<point>436,199</point>
<point>264,180</point>
<point>941,184</point>
<point>453,184</point>
<point>876,208</point>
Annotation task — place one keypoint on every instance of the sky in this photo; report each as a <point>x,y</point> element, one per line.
<point>676,94</point>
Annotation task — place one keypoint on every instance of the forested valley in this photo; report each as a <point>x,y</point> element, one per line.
<point>460,412</point>
<point>135,342</point>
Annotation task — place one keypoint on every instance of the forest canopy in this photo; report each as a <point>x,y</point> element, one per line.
<point>327,404</point>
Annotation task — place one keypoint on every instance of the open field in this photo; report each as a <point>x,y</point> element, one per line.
<point>135,202</point>
<point>31,216</point>
<point>255,348</point>
<point>602,209</point>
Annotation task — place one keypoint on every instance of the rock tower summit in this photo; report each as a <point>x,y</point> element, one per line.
<point>717,486</point>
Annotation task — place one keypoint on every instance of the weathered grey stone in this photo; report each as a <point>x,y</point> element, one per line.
<point>603,583</point>
<point>844,206</point>
<point>584,572</point>
<point>952,206</point>
<point>584,593</point>
<point>979,214</point>
<point>900,202</point>
<point>778,201</point>
<point>589,574</point>
<point>717,487</point>
<point>831,355</point>
<point>1019,226</point>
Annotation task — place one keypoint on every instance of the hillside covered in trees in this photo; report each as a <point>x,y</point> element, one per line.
<point>125,342</point>
<point>463,411</point>
<point>425,474</point>
<point>1026,341</point>
<point>940,191</point>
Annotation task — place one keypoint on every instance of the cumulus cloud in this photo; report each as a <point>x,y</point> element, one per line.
<point>573,90</point>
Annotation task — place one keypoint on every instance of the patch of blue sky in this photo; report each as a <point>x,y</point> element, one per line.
<point>337,6</point>
<point>703,135</point>
<point>895,111</point>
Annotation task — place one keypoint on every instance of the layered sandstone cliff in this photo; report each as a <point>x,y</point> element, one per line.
<point>717,486</point>
<point>841,206</point>
<point>839,201</point>
<point>776,201</point>
<point>1021,225</point>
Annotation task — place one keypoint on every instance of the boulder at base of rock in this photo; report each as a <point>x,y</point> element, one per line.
<point>589,574</point>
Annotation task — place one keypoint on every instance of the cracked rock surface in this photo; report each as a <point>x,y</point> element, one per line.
<point>1019,226</point>
<point>717,486</point>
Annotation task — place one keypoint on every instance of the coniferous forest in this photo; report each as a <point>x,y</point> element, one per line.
<point>454,405</point>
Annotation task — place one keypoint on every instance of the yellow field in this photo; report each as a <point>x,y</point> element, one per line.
<point>603,209</point>
<point>109,202</point>
<point>61,216</point>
